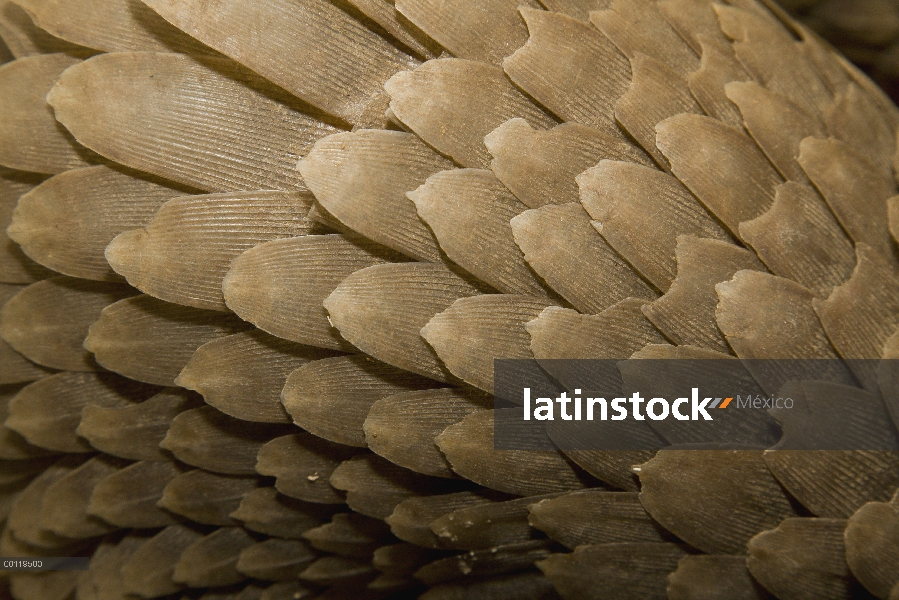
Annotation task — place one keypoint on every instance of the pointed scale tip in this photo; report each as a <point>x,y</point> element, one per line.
<point>124,256</point>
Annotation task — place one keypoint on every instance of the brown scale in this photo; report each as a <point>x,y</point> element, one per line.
<point>735,99</point>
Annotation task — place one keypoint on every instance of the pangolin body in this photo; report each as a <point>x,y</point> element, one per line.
<point>260,257</point>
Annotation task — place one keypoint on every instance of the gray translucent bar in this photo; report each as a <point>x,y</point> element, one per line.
<point>45,563</point>
<point>648,404</point>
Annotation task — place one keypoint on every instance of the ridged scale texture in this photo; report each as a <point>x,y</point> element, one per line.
<point>628,68</point>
